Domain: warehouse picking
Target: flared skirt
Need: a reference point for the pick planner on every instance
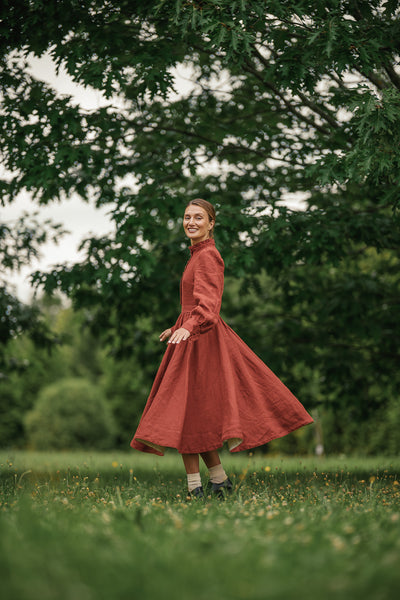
(211, 389)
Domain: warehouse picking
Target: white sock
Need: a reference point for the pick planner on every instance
(194, 481)
(217, 474)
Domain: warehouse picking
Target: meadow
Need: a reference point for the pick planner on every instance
(85, 526)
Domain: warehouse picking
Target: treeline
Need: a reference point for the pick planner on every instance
(290, 97)
(79, 394)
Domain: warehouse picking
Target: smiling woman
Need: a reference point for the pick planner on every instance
(199, 220)
(211, 387)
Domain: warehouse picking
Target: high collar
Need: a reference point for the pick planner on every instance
(199, 245)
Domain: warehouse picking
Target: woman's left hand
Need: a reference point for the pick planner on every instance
(179, 335)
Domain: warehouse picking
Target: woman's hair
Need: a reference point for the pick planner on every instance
(208, 207)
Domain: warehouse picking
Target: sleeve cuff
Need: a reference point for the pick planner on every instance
(191, 326)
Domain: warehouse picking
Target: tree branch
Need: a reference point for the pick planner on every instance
(311, 104)
(229, 146)
(286, 102)
(377, 81)
(337, 79)
(394, 77)
(277, 92)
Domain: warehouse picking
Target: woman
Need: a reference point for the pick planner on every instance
(210, 386)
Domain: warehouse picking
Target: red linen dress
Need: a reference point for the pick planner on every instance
(212, 387)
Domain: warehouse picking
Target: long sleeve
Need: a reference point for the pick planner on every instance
(207, 293)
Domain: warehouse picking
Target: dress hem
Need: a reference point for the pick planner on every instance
(239, 443)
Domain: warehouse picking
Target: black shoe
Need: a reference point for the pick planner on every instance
(197, 493)
(222, 489)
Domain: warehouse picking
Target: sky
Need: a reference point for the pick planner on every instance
(80, 218)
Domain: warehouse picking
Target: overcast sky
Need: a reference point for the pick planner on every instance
(78, 217)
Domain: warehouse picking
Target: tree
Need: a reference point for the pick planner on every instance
(286, 97)
(71, 413)
(20, 241)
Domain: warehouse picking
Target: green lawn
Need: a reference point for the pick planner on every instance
(83, 526)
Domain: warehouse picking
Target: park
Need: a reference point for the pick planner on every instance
(112, 525)
(285, 116)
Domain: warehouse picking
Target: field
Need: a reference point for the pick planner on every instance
(77, 526)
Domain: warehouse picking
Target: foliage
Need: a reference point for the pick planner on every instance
(384, 432)
(350, 377)
(127, 385)
(71, 413)
(20, 241)
(32, 366)
(362, 429)
(71, 522)
(296, 96)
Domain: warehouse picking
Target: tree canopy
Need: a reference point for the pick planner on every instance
(286, 98)
(20, 241)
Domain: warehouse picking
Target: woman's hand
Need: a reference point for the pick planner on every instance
(179, 335)
(165, 334)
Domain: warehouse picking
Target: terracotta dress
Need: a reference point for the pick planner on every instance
(212, 388)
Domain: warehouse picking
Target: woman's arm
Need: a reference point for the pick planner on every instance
(165, 334)
(207, 293)
(179, 335)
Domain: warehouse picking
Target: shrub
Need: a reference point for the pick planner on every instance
(384, 434)
(11, 416)
(71, 413)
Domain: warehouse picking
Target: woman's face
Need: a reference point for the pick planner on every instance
(196, 223)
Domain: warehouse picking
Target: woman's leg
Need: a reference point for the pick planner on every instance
(191, 462)
(211, 458)
(218, 477)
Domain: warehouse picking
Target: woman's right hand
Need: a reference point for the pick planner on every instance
(165, 334)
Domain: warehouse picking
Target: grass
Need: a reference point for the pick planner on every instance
(76, 526)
